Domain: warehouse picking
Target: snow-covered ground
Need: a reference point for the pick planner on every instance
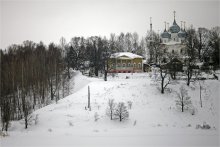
(153, 119)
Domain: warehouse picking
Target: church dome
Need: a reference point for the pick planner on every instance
(165, 34)
(182, 34)
(174, 28)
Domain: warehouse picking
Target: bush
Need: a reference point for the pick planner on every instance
(183, 102)
(121, 111)
(111, 108)
(204, 126)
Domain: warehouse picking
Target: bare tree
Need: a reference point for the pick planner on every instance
(121, 111)
(190, 58)
(5, 113)
(164, 79)
(154, 47)
(214, 44)
(111, 108)
(183, 100)
(203, 44)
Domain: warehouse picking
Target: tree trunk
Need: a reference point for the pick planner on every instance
(68, 71)
(105, 78)
(182, 103)
(188, 78)
(26, 122)
(51, 90)
(182, 106)
(96, 71)
(162, 82)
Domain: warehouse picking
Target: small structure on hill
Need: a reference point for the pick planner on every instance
(125, 62)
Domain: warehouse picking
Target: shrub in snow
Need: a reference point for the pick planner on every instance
(204, 126)
(129, 104)
(111, 108)
(183, 102)
(121, 111)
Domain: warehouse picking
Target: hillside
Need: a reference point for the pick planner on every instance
(153, 119)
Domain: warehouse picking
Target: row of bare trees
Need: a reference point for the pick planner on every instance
(32, 75)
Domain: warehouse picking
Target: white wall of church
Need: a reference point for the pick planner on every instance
(175, 48)
(174, 37)
(165, 40)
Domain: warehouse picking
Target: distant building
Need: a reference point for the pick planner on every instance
(125, 62)
(174, 37)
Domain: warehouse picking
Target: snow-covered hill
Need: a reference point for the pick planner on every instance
(153, 120)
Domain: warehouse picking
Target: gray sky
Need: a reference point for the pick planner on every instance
(48, 20)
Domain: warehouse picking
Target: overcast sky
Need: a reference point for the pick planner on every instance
(48, 20)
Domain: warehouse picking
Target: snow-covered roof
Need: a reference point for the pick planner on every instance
(126, 54)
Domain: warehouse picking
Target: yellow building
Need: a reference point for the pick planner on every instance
(125, 62)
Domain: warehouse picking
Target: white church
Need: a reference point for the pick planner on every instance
(173, 37)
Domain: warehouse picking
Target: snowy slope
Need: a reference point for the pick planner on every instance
(154, 119)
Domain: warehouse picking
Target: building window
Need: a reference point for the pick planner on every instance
(139, 65)
(123, 64)
(129, 64)
(134, 65)
(181, 51)
(174, 39)
(173, 51)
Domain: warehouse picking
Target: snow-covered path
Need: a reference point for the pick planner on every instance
(153, 121)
